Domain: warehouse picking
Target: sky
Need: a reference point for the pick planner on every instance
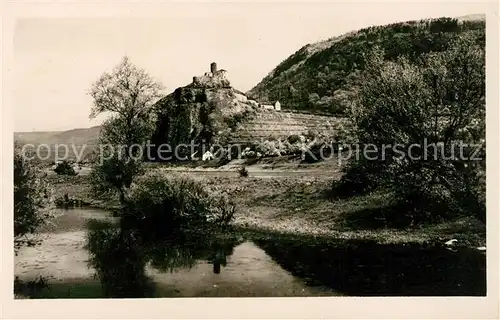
(58, 59)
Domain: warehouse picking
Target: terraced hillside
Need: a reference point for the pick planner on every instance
(267, 124)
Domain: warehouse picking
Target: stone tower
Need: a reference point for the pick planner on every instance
(213, 67)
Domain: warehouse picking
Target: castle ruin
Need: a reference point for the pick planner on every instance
(213, 79)
(218, 79)
(209, 111)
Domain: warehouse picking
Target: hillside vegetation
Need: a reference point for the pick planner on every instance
(319, 76)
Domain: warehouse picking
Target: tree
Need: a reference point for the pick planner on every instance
(65, 168)
(31, 199)
(128, 94)
(437, 105)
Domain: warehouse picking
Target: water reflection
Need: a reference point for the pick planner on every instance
(359, 268)
(237, 264)
(354, 268)
(120, 256)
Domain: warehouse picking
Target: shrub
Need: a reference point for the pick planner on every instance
(269, 148)
(127, 94)
(167, 205)
(436, 104)
(294, 138)
(26, 289)
(113, 176)
(243, 172)
(31, 199)
(249, 153)
(65, 168)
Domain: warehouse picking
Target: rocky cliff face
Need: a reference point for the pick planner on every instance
(209, 111)
(202, 112)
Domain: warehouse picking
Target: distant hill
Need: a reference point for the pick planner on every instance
(86, 138)
(316, 77)
(75, 136)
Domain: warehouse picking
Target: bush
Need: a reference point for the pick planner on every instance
(113, 176)
(65, 168)
(243, 172)
(27, 289)
(436, 105)
(171, 205)
(294, 138)
(31, 199)
(269, 148)
(292, 145)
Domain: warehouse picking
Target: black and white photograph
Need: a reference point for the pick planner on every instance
(242, 150)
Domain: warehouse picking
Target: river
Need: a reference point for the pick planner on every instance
(248, 264)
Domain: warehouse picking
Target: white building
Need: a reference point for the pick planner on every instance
(207, 156)
(277, 105)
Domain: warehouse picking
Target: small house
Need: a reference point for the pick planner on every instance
(207, 156)
(277, 105)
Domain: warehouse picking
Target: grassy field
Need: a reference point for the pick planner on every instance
(302, 205)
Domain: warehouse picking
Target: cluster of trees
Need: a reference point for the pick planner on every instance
(154, 207)
(128, 95)
(320, 81)
(32, 197)
(304, 144)
(162, 206)
(436, 103)
(65, 168)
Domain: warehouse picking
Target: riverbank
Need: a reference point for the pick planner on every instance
(301, 205)
(251, 263)
(258, 264)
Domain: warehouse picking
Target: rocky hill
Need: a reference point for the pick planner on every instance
(204, 112)
(317, 76)
(210, 113)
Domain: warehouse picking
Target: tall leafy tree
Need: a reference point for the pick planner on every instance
(127, 94)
